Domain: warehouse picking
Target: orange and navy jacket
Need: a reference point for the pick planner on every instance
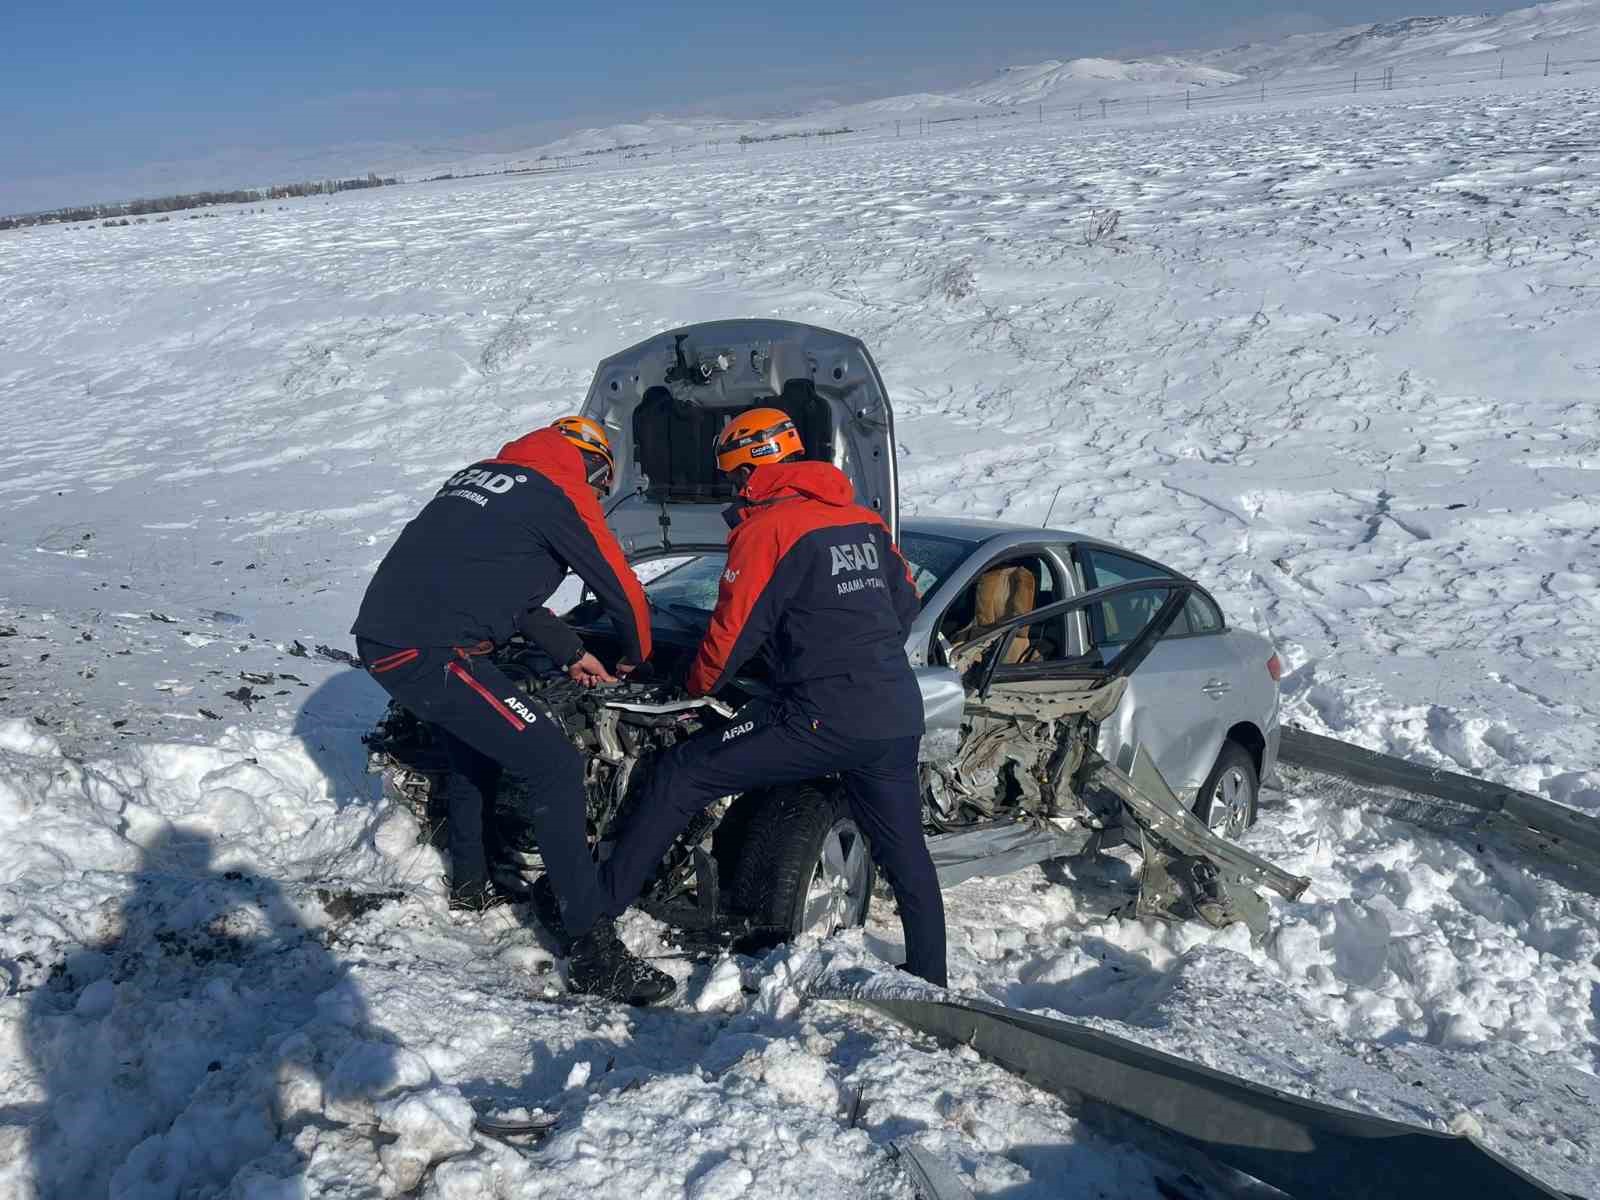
(815, 584)
(481, 558)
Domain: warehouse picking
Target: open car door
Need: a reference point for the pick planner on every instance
(1043, 713)
(1049, 688)
(664, 401)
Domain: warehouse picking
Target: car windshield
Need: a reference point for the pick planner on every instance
(692, 586)
(932, 558)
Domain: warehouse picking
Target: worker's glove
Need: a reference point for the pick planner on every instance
(589, 671)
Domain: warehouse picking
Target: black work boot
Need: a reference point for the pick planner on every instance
(548, 909)
(601, 965)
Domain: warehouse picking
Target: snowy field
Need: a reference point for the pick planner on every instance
(1341, 364)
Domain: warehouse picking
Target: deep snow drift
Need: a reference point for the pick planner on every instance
(1337, 364)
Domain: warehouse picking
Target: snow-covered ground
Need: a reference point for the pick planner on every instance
(1340, 364)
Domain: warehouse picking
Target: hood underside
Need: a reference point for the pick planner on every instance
(664, 401)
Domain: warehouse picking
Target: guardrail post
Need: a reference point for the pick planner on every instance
(1547, 64)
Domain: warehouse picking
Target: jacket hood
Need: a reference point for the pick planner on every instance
(546, 451)
(812, 480)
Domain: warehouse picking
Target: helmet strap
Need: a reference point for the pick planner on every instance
(598, 471)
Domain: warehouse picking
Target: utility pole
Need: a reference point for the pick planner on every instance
(1080, 110)
(897, 129)
(1502, 68)
(1547, 64)
(1041, 114)
(1102, 110)
(1263, 91)
(1355, 82)
(1186, 104)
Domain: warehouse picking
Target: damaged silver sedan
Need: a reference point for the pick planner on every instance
(1065, 680)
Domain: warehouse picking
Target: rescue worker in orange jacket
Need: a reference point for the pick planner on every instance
(815, 584)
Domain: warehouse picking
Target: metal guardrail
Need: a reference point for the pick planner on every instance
(1560, 832)
(1303, 1147)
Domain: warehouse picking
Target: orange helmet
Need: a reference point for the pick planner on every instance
(589, 437)
(756, 438)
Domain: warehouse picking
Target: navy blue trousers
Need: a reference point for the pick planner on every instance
(880, 784)
(472, 700)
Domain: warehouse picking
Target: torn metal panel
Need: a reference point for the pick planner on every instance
(1000, 848)
(1159, 813)
(1302, 1146)
(1054, 699)
(944, 703)
(932, 1179)
(1180, 887)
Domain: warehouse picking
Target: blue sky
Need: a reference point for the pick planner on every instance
(101, 89)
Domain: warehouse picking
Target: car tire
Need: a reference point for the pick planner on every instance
(804, 866)
(1227, 798)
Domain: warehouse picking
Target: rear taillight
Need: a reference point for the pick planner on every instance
(1275, 668)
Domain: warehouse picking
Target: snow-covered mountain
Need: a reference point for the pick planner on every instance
(1084, 78)
(1436, 46)
(1568, 29)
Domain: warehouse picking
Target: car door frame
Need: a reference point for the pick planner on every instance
(1187, 774)
(988, 667)
(924, 636)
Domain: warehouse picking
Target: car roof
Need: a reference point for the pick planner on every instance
(979, 531)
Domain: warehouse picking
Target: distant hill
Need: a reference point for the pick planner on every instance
(1091, 78)
(1435, 46)
(1570, 29)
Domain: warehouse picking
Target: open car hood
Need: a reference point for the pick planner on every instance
(664, 401)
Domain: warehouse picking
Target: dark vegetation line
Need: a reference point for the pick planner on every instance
(167, 204)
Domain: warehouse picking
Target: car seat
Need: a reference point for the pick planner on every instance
(1002, 593)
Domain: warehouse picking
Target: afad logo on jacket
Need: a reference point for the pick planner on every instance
(852, 560)
(496, 483)
(862, 557)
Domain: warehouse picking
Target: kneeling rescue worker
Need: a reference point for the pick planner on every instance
(473, 567)
(814, 579)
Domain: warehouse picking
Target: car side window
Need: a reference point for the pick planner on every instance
(1118, 621)
(1202, 615)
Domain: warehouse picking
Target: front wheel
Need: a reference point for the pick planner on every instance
(804, 865)
(1227, 799)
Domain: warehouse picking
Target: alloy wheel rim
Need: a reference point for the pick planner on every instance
(839, 881)
(1230, 804)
